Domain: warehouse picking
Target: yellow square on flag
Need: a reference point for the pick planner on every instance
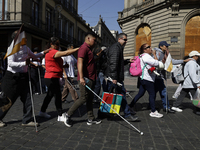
(115, 107)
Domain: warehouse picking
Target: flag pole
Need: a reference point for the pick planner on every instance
(39, 76)
(166, 92)
(31, 93)
(13, 42)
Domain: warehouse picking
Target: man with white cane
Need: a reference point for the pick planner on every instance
(162, 53)
(115, 71)
(86, 68)
(15, 82)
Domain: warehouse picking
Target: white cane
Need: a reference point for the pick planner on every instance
(141, 133)
(166, 92)
(71, 85)
(31, 94)
(40, 79)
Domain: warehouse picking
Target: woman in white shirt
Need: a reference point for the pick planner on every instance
(146, 81)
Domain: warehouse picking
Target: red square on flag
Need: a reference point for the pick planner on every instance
(108, 98)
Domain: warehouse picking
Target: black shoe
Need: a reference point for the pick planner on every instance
(93, 121)
(132, 118)
(68, 121)
(132, 110)
(169, 110)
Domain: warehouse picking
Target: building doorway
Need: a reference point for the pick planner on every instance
(143, 35)
(192, 34)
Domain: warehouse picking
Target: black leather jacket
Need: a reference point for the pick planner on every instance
(115, 60)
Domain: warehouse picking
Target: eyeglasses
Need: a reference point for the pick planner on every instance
(125, 40)
(147, 47)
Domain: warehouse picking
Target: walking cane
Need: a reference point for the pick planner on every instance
(166, 93)
(29, 77)
(165, 81)
(71, 85)
(141, 133)
(39, 76)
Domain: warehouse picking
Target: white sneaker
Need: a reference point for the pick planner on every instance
(30, 124)
(62, 118)
(2, 124)
(44, 114)
(177, 109)
(156, 114)
(174, 97)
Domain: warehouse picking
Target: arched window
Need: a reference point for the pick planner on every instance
(192, 34)
(143, 35)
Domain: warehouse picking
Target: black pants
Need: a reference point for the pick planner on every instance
(85, 96)
(15, 85)
(35, 80)
(182, 95)
(53, 91)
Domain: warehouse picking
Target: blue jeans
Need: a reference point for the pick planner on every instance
(160, 86)
(100, 82)
(144, 86)
(121, 90)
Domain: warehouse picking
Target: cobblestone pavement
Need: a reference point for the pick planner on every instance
(179, 131)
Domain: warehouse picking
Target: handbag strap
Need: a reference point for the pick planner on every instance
(145, 65)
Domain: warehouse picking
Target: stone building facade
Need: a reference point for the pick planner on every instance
(108, 37)
(42, 19)
(152, 21)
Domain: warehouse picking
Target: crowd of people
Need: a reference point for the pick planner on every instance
(94, 65)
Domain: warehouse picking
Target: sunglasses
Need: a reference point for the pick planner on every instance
(125, 40)
(147, 47)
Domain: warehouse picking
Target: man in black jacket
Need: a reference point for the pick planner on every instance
(101, 64)
(115, 70)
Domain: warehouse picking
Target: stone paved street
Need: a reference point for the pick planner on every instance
(179, 131)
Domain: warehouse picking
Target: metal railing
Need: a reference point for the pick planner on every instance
(5, 16)
(67, 5)
(19, 16)
(11, 16)
(65, 36)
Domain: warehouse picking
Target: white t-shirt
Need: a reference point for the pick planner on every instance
(151, 62)
(17, 61)
(71, 61)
